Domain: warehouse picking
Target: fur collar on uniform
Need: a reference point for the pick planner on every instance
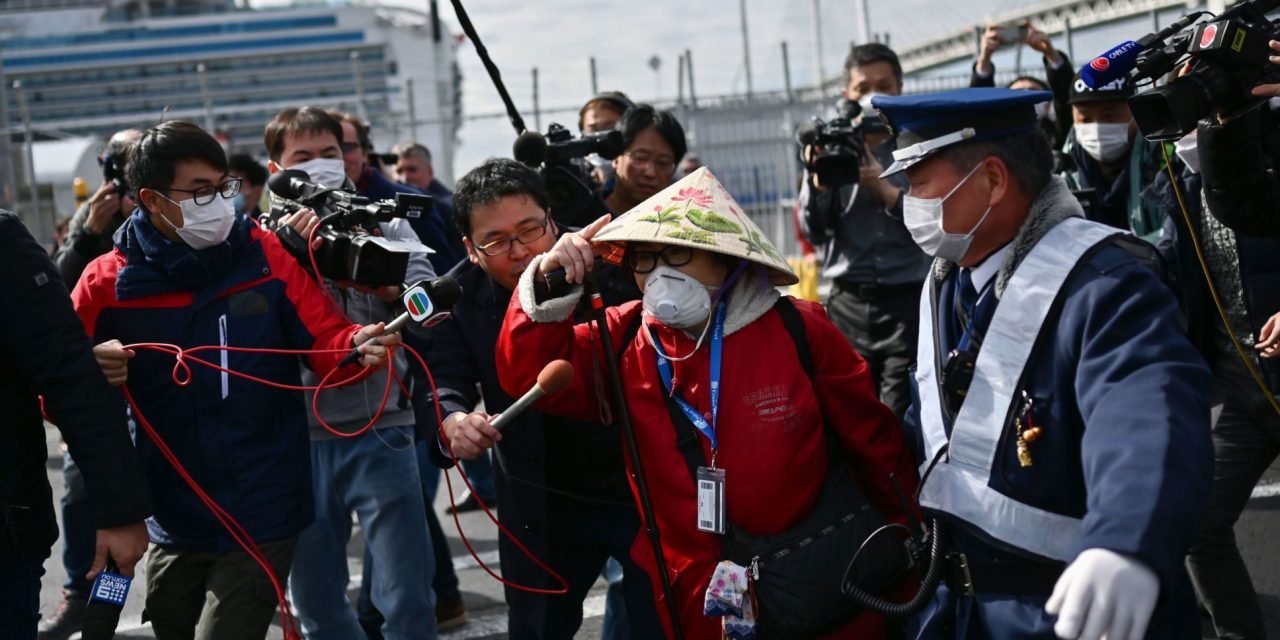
(1054, 204)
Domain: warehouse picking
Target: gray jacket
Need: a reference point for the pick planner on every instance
(862, 240)
(82, 245)
(349, 408)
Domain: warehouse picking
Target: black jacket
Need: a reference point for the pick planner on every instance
(44, 351)
(588, 465)
(1259, 264)
(1238, 164)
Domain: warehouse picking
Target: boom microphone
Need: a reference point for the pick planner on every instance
(551, 380)
(530, 148)
(423, 302)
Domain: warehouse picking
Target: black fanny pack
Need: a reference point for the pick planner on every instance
(799, 575)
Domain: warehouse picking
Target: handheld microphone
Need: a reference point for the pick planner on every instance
(106, 602)
(423, 302)
(551, 380)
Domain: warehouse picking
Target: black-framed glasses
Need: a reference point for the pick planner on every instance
(642, 262)
(348, 147)
(526, 236)
(229, 189)
(660, 164)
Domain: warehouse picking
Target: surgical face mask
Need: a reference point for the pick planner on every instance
(327, 172)
(1187, 151)
(1104, 141)
(205, 225)
(923, 218)
(675, 298)
(238, 204)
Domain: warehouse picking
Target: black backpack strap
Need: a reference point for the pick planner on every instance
(687, 438)
(795, 327)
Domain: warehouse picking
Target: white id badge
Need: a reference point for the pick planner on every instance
(711, 500)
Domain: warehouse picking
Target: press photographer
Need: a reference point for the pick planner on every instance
(89, 235)
(1220, 206)
(875, 268)
(376, 475)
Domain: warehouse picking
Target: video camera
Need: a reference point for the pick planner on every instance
(113, 172)
(557, 155)
(1228, 55)
(839, 143)
(348, 251)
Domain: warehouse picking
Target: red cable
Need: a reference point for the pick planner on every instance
(182, 377)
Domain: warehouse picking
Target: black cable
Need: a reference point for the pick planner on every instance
(633, 454)
(927, 586)
(494, 74)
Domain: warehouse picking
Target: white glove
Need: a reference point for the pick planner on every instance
(1104, 595)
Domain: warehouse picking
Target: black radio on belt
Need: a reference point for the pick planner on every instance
(957, 375)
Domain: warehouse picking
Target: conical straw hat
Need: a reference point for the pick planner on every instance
(698, 212)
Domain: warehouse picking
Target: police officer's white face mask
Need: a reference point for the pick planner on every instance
(1105, 142)
(327, 172)
(923, 218)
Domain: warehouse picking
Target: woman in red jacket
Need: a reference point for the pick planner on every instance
(707, 274)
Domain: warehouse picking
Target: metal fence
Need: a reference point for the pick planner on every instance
(750, 146)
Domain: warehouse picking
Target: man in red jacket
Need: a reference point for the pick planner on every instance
(187, 270)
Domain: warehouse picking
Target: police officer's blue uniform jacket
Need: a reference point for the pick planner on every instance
(1123, 458)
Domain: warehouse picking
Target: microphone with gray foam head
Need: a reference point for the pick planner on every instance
(551, 380)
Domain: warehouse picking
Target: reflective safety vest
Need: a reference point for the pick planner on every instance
(960, 484)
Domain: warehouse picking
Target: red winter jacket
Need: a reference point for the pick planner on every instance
(770, 429)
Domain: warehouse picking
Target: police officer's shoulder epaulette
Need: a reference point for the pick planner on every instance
(1132, 248)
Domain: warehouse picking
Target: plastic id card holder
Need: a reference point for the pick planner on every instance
(711, 500)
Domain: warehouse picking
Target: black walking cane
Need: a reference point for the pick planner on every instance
(623, 415)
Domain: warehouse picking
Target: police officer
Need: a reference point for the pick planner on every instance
(1060, 411)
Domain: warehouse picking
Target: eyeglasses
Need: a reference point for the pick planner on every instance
(348, 147)
(229, 189)
(499, 247)
(662, 164)
(643, 262)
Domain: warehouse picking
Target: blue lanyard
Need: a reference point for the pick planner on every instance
(664, 370)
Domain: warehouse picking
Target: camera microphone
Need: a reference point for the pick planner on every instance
(530, 148)
(1123, 58)
(423, 302)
